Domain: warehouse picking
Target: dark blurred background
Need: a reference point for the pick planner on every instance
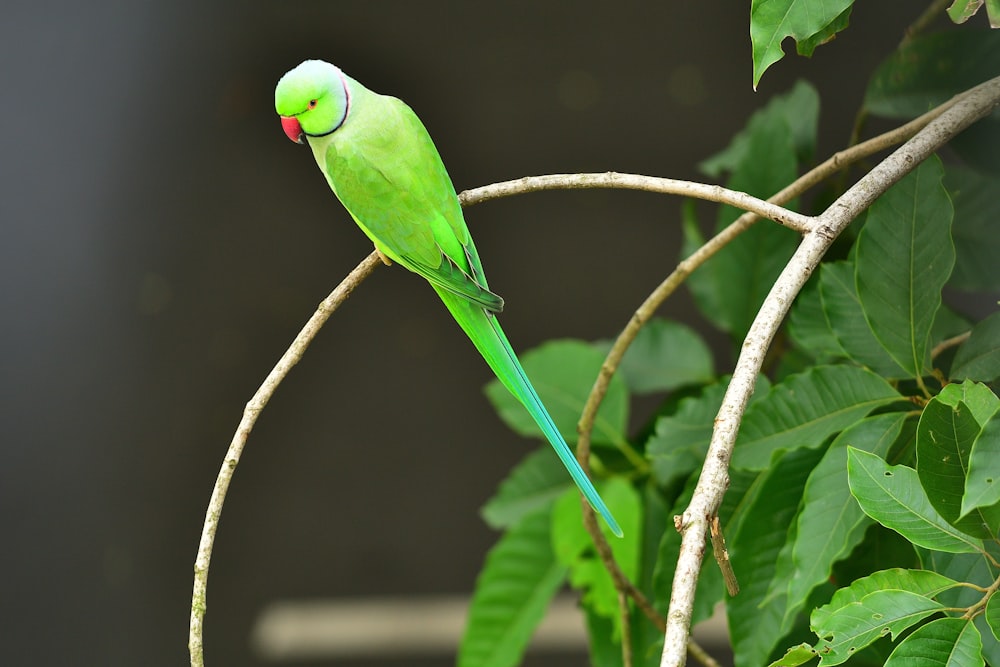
(163, 242)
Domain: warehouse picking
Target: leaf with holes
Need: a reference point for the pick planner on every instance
(892, 495)
(772, 21)
(855, 626)
(948, 428)
(982, 486)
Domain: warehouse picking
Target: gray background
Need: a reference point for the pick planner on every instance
(163, 242)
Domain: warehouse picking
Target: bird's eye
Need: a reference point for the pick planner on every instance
(312, 104)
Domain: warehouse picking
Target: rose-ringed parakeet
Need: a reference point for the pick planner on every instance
(384, 168)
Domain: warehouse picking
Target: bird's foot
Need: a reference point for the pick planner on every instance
(385, 260)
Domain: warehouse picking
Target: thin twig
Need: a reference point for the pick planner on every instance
(714, 478)
(612, 361)
(668, 186)
(932, 12)
(626, 630)
(949, 343)
(291, 357)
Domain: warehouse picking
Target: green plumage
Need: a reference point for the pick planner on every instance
(381, 163)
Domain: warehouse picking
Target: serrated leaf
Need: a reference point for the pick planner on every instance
(805, 409)
(771, 21)
(944, 642)
(892, 495)
(977, 244)
(754, 547)
(665, 355)
(918, 582)
(514, 588)
(982, 486)
(831, 523)
(979, 357)
(533, 484)
(904, 257)
(799, 108)
(795, 656)
(842, 309)
(730, 287)
(680, 440)
(946, 432)
(563, 374)
(854, 626)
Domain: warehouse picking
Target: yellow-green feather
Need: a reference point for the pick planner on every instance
(384, 168)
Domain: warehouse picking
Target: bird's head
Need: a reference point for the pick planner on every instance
(312, 100)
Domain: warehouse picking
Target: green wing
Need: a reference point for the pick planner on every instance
(391, 179)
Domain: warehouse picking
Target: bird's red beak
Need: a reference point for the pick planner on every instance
(290, 124)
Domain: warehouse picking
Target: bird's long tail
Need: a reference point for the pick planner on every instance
(485, 332)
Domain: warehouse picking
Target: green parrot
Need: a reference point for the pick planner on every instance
(382, 165)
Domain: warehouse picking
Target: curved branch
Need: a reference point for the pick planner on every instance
(250, 414)
(714, 478)
(615, 180)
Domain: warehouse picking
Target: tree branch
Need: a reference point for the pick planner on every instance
(714, 478)
(253, 409)
(615, 180)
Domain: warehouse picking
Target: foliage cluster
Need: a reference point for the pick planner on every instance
(863, 512)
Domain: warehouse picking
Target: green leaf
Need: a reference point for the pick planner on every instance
(892, 495)
(904, 258)
(680, 440)
(918, 582)
(982, 486)
(563, 374)
(799, 108)
(842, 310)
(795, 656)
(730, 287)
(533, 484)
(993, 615)
(856, 625)
(514, 588)
(945, 642)
(979, 357)
(929, 70)
(808, 326)
(754, 547)
(831, 523)
(977, 244)
(961, 11)
(665, 355)
(573, 547)
(947, 429)
(827, 34)
(805, 409)
(771, 21)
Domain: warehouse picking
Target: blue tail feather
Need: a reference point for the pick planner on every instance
(502, 358)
